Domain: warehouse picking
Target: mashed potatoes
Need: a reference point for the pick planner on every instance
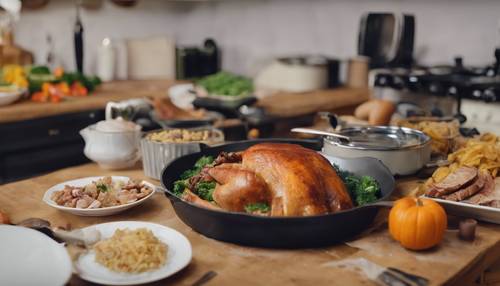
(131, 251)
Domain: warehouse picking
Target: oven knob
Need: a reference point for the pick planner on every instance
(435, 88)
(413, 83)
(398, 82)
(382, 80)
(477, 94)
(452, 90)
(489, 95)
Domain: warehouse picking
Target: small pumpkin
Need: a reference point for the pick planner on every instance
(417, 223)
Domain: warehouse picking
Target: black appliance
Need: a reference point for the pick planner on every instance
(455, 82)
(387, 39)
(195, 62)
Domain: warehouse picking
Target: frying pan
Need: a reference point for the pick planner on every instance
(278, 232)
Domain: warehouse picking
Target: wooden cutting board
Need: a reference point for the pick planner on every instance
(297, 104)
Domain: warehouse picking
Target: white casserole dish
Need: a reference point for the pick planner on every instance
(156, 155)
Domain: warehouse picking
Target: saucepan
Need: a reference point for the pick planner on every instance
(403, 150)
(279, 232)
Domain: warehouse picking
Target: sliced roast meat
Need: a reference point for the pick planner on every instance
(453, 182)
(493, 203)
(469, 190)
(487, 193)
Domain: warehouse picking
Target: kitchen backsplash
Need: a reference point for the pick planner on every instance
(253, 31)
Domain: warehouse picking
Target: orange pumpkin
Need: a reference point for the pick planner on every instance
(417, 223)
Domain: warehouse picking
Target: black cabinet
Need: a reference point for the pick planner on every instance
(37, 146)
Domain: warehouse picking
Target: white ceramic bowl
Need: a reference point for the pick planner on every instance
(92, 212)
(9, 97)
(179, 255)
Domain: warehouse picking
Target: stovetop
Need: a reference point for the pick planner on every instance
(457, 81)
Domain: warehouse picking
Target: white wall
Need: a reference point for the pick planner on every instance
(252, 30)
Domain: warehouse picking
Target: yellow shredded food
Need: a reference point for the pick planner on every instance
(131, 251)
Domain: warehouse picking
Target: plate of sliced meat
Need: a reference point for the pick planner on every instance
(469, 192)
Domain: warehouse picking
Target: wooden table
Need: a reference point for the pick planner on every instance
(453, 262)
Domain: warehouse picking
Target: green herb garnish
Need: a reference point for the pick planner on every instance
(362, 189)
(182, 184)
(102, 187)
(257, 207)
(179, 187)
(205, 190)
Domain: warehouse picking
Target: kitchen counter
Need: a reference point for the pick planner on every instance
(453, 262)
(113, 91)
(281, 104)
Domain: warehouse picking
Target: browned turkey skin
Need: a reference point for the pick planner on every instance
(292, 180)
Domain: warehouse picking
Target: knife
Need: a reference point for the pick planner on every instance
(381, 275)
(78, 36)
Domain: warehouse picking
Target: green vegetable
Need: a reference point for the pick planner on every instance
(367, 191)
(181, 185)
(363, 189)
(203, 161)
(102, 188)
(223, 83)
(37, 80)
(257, 207)
(90, 82)
(39, 70)
(205, 190)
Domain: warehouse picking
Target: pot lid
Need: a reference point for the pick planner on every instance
(381, 138)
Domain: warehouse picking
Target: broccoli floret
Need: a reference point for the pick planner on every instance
(203, 161)
(179, 187)
(188, 174)
(257, 207)
(368, 190)
(205, 190)
(363, 190)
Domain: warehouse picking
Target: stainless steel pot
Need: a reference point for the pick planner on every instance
(403, 150)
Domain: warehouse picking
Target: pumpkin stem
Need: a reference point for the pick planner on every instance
(419, 203)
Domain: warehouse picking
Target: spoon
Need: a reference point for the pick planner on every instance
(342, 138)
(77, 236)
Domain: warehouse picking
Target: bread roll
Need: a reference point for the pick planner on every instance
(376, 111)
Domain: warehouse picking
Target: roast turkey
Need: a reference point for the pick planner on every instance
(292, 180)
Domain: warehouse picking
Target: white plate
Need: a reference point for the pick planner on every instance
(8, 97)
(92, 212)
(179, 255)
(29, 257)
(483, 213)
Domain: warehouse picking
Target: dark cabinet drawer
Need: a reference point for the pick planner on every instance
(37, 146)
(31, 162)
(45, 131)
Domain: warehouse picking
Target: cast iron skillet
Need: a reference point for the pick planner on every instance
(277, 232)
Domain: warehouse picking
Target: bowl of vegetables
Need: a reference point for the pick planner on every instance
(224, 86)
